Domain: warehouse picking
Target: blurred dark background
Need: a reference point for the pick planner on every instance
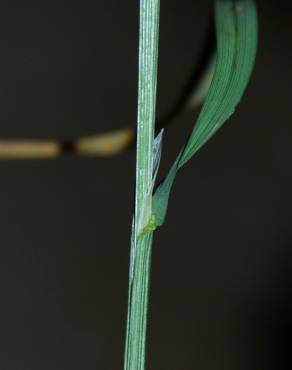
(222, 280)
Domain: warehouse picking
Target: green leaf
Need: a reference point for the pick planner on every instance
(236, 30)
(200, 91)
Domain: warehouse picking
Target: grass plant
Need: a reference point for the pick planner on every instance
(236, 35)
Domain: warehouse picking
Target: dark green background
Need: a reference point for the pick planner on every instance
(222, 281)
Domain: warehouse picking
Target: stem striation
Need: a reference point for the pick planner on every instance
(142, 233)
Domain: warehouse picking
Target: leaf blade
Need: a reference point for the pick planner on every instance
(236, 28)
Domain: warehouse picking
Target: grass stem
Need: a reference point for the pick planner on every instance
(142, 233)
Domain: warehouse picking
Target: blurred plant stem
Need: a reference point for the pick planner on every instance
(117, 141)
(103, 145)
